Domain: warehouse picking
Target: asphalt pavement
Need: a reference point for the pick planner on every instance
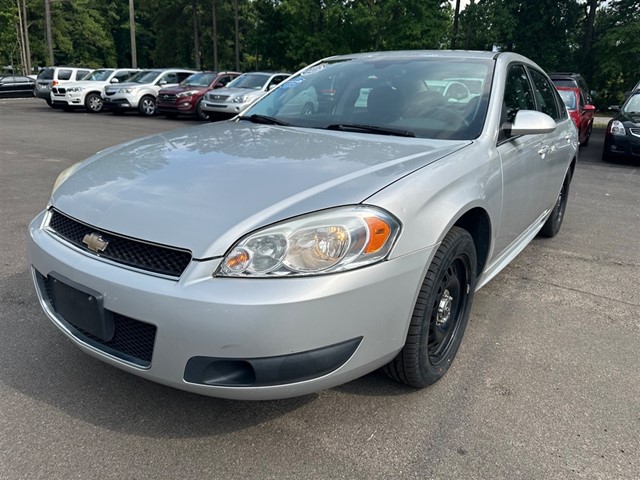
(546, 384)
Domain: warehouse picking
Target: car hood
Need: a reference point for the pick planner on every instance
(235, 92)
(116, 86)
(176, 90)
(629, 117)
(87, 83)
(203, 188)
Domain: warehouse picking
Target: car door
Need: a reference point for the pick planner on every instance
(556, 144)
(523, 166)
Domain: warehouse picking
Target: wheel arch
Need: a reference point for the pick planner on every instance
(477, 222)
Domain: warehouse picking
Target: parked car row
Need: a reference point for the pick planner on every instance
(170, 92)
(578, 100)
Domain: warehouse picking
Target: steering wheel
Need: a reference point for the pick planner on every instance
(456, 91)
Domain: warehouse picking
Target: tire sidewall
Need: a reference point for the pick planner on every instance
(141, 106)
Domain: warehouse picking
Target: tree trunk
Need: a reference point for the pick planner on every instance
(48, 34)
(215, 35)
(588, 30)
(25, 34)
(456, 19)
(196, 35)
(469, 18)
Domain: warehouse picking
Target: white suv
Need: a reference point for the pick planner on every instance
(87, 93)
(53, 76)
(141, 91)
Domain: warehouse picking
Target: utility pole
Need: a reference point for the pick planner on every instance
(196, 35)
(47, 27)
(215, 35)
(235, 4)
(132, 31)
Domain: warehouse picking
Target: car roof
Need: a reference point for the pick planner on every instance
(420, 54)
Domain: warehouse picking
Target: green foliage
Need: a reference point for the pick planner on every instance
(289, 34)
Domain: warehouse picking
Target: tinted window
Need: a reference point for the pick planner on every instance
(81, 74)
(180, 76)
(169, 78)
(64, 74)
(545, 95)
(518, 94)
(46, 74)
(123, 76)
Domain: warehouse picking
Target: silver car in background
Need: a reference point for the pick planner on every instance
(240, 92)
(286, 251)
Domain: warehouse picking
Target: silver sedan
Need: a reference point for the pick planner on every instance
(287, 251)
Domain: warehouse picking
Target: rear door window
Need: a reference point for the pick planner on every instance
(64, 74)
(545, 99)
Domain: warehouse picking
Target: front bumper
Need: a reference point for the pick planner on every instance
(220, 107)
(71, 99)
(120, 102)
(209, 330)
(622, 146)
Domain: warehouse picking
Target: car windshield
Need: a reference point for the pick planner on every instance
(253, 81)
(147, 76)
(569, 98)
(632, 105)
(98, 75)
(426, 97)
(199, 80)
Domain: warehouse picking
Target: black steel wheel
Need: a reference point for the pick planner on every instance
(440, 315)
(552, 226)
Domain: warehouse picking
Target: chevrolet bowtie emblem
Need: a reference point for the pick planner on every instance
(94, 242)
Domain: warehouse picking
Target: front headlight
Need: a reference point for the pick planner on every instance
(190, 93)
(239, 99)
(66, 173)
(127, 90)
(323, 242)
(617, 128)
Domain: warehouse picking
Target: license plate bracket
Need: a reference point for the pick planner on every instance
(82, 308)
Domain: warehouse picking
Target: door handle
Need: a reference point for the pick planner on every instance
(543, 150)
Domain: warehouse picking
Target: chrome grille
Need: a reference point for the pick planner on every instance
(167, 97)
(217, 98)
(131, 252)
(635, 131)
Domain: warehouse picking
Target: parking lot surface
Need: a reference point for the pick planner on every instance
(546, 383)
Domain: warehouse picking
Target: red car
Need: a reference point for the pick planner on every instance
(185, 99)
(581, 112)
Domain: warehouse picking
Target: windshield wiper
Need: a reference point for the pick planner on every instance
(264, 119)
(357, 127)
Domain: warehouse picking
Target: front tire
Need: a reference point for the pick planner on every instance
(147, 106)
(440, 314)
(93, 103)
(552, 226)
(201, 114)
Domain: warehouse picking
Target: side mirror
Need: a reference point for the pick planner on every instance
(162, 82)
(114, 80)
(590, 108)
(530, 122)
(218, 85)
(614, 108)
